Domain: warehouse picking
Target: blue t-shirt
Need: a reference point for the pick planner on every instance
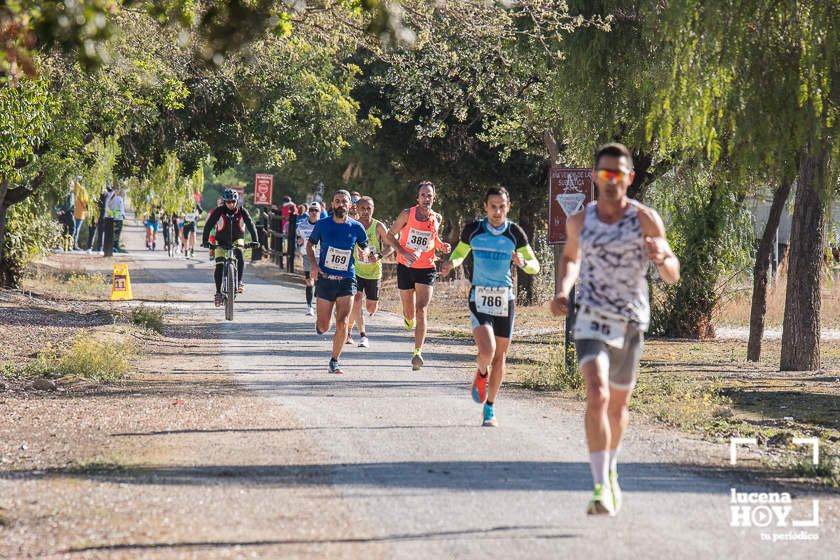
(492, 250)
(338, 245)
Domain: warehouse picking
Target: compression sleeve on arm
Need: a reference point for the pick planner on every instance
(459, 254)
(532, 265)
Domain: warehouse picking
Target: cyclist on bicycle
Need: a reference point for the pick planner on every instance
(230, 221)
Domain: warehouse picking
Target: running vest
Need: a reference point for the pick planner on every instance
(371, 271)
(420, 236)
(613, 265)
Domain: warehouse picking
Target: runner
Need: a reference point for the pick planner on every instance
(417, 228)
(353, 212)
(188, 231)
(335, 271)
(305, 226)
(611, 244)
(495, 242)
(151, 227)
(368, 275)
(229, 222)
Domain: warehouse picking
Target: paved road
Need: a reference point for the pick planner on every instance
(414, 474)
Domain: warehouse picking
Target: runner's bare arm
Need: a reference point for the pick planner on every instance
(313, 262)
(440, 245)
(569, 264)
(382, 235)
(400, 222)
(656, 245)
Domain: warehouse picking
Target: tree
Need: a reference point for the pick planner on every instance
(763, 86)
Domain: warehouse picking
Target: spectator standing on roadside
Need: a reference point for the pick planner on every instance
(116, 210)
(103, 217)
(80, 207)
(64, 211)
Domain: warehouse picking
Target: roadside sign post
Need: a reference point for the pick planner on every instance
(263, 185)
(569, 191)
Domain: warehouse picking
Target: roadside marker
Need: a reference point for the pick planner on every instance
(121, 284)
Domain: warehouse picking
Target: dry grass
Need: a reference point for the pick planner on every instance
(68, 284)
(98, 355)
(735, 311)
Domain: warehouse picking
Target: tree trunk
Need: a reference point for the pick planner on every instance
(760, 270)
(526, 294)
(801, 328)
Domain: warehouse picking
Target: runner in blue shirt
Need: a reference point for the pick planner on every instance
(341, 239)
(495, 242)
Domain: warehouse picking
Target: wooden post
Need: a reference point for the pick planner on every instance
(568, 342)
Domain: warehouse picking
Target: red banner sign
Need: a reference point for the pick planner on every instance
(262, 189)
(569, 191)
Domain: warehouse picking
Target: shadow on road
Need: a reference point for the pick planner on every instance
(456, 476)
(503, 532)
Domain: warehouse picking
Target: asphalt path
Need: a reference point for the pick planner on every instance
(416, 475)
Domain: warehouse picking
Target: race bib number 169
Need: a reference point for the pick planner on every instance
(338, 259)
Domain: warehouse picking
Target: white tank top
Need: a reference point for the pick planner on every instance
(613, 266)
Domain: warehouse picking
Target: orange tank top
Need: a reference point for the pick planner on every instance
(420, 236)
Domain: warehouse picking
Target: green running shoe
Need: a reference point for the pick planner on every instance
(600, 504)
(616, 490)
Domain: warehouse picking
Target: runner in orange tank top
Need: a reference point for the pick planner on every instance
(417, 228)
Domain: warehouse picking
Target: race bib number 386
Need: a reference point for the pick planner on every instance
(593, 324)
(492, 300)
(419, 240)
(338, 259)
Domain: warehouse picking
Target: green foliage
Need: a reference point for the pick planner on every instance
(148, 317)
(555, 374)
(31, 231)
(711, 233)
(102, 358)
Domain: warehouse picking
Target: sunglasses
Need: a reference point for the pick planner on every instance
(313, 210)
(611, 175)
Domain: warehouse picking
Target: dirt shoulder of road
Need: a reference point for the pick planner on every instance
(87, 466)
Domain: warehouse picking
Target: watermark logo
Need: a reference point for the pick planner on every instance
(773, 509)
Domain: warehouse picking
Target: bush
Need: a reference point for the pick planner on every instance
(88, 357)
(148, 317)
(554, 375)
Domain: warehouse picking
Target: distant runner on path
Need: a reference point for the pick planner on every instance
(417, 228)
(340, 239)
(610, 244)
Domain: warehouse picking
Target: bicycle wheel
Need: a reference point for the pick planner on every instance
(230, 289)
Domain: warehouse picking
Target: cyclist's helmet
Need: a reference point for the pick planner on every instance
(230, 195)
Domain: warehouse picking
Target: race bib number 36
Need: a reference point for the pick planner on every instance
(492, 300)
(592, 324)
(338, 259)
(419, 240)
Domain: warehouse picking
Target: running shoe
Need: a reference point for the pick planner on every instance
(479, 388)
(334, 367)
(489, 417)
(600, 504)
(349, 340)
(416, 360)
(240, 288)
(616, 490)
(310, 311)
(408, 324)
(363, 342)
(217, 300)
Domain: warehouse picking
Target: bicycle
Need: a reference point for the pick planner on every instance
(229, 280)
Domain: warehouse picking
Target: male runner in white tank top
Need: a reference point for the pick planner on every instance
(611, 245)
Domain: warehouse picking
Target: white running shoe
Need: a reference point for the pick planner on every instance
(363, 342)
(310, 312)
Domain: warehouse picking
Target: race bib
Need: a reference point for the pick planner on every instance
(338, 259)
(419, 240)
(492, 300)
(190, 217)
(607, 327)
